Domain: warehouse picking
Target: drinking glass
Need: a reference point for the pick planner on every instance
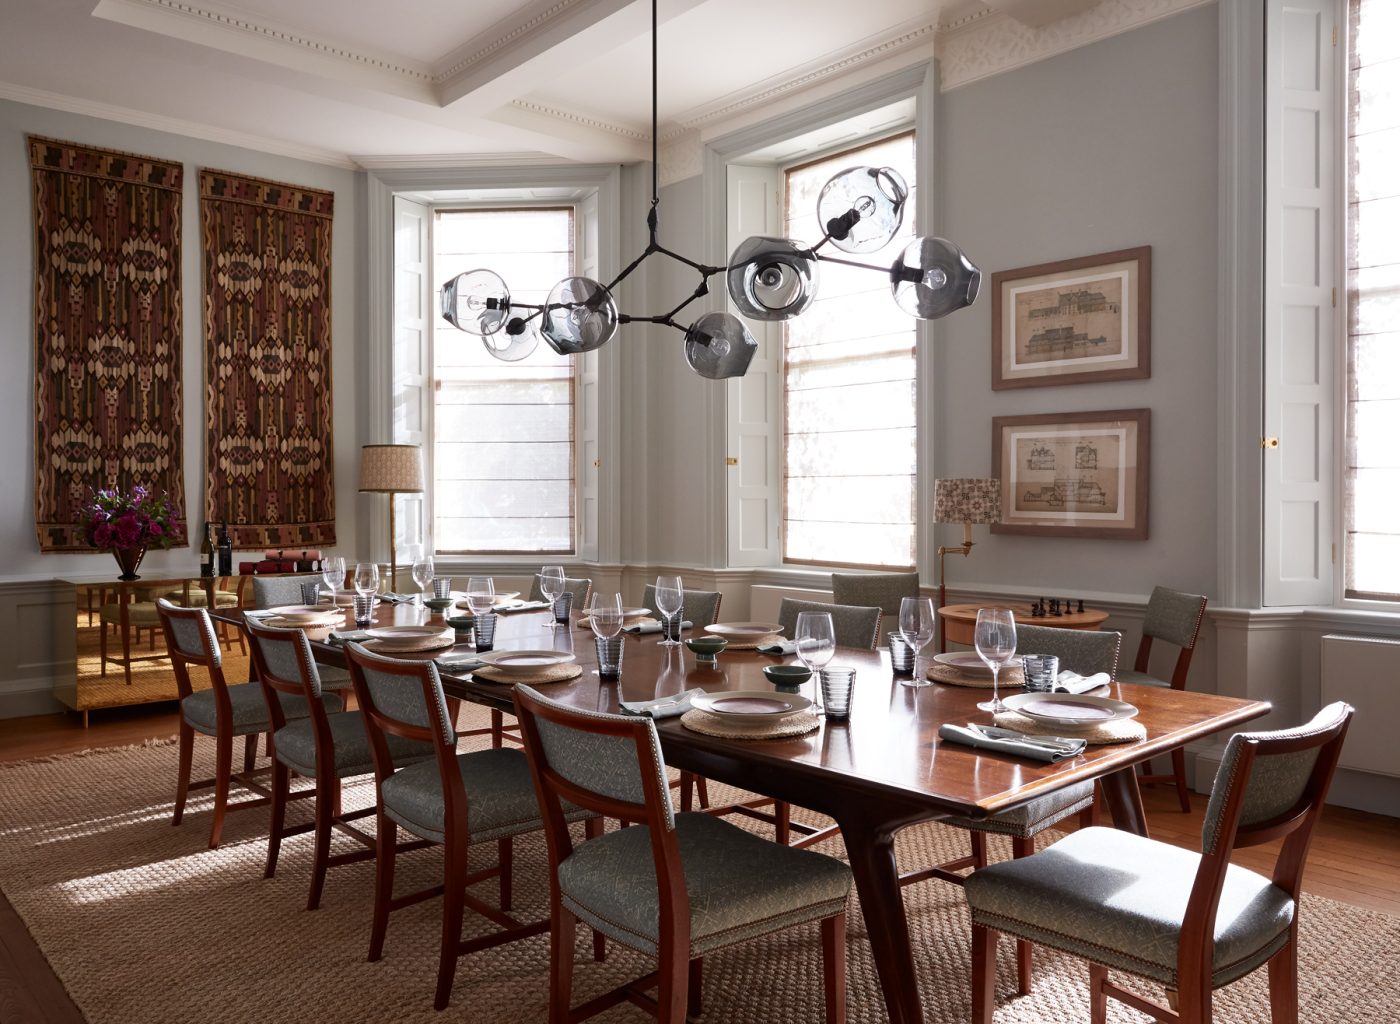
(551, 586)
(916, 621)
(366, 577)
(995, 639)
(816, 643)
(670, 596)
(481, 594)
(423, 575)
(333, 574)
(605, 615)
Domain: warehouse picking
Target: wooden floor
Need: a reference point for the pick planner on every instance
(1355, 856)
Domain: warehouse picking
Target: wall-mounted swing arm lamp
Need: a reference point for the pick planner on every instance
(768, 278)
(965, 501)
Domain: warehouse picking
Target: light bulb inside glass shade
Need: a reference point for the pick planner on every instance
(513, 344)
(718, 345)
(477, 302)
(932, 278)
(772, 278)
(862, 207)
(580, 316)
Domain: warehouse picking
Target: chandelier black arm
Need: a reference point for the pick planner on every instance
(851, 263)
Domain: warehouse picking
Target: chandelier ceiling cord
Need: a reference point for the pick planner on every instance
(771, 279)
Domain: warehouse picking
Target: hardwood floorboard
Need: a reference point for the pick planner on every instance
(30, 992)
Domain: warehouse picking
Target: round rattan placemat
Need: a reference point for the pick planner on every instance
(1124, 730)
(1011, 677)
(447, 638)
(715, 725)
(751, 645)
(553, 674)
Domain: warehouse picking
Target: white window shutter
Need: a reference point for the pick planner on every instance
(586, 259)
(412, 367)
(754, 401)
(1301, 321)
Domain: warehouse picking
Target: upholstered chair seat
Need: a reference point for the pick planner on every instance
(295, 744)
(197, 598)
(855, 626)
(1030, 819)
(200, 710)
(700, 607)
(141, 614)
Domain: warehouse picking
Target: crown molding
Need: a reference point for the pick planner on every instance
(474, 51)
(986, 43)
(173, 125)
(447, 161)
(584, 120)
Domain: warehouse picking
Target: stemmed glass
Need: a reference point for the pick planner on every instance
(551, 588)
(366, 578)
(605, 615)
(816, 643)
(481, 594)
(423, 575)
(995, 640)
(333, 574)
(916, 626)
(670, 596)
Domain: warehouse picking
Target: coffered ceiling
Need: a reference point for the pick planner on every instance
(364, 82)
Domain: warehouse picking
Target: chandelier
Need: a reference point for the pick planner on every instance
(771, 279)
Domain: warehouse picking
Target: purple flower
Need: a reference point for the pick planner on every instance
(102, 535)
(128, 530)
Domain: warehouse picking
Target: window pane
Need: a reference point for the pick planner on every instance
(503, 433)
(849, 393)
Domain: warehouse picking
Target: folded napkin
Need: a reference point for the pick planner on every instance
(258, 613)
(521, 606)
(661, 707)
(781, 648)
(459, 662)
(651, 626)
(345, 636)
(393, 598)
(1073, 682)
(1037, 748)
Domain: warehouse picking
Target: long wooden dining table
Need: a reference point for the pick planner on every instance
(881, 770)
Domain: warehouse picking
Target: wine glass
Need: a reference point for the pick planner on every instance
(916, 625)
(816, 643)
(670, 596)
(481, 594)
(333, 574)
(551, 587)
(995, 640)
(605, 615)
(423, 575)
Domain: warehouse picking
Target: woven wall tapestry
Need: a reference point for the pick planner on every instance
(107, 331)
(267, 362)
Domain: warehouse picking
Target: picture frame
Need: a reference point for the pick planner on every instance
(1074, 321)
(1073, 474)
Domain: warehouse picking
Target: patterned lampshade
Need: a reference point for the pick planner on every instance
(391, 467)
(966, 501)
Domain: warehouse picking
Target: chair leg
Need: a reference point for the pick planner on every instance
(834, 967)
(223, 771)
(454, 887)
(1023, 846)
(592, 829)
(561, 962)
(782, 822)
(505, 857)
(703, 789)
(102, 648)
(281, 782)
(327, 808)
(672, 985)
(1283, 984)
(1098, 998)
(250, 751)
(182, 784)
(687, 792)
(984, 974)
(1183, 795)
(695, 986)
(386, 849)
(979, 849)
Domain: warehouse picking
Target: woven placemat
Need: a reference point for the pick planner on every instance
(750, 645)
(715, 725)
(1011, 677)
(553, 674)
(447, 638)
(1124, 730)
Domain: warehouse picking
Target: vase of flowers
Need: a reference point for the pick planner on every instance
(128, 523)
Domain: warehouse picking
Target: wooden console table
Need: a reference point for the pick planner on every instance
(960, 621)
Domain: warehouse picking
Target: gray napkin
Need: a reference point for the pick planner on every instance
(397, 598)
(661, 707)
(781, 648)
(342, 636)
(1005, 741)
(456, 663)
(522, 606)
(1073, 682)
(257, 613)
(651, 627)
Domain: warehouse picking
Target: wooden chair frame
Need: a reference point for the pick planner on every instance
(1177, 776)
(679, 976)
(1196, 948)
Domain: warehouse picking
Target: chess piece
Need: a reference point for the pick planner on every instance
(1081, 606)
(1055, 606)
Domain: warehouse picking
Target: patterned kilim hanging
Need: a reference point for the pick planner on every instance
(267, 364)
(107, 331)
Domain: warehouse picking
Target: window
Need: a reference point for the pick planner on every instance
(503, 433)
(1372, 463)
(850, 423)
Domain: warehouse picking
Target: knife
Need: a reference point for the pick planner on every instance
(1056, 743)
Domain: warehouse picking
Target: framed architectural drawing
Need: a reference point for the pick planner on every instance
(1074, 474)
(1073, 322)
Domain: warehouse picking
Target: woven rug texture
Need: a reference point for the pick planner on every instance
(143, 923)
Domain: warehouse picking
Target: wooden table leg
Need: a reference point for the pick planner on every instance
(871, 852)
(1124, 798)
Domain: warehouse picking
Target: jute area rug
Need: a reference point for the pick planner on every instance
(144, 924)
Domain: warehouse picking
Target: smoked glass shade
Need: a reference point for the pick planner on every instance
(718, 345)
(772, 278)
(579, 316)
(516, 342)
(477, 302)
(862, 207)
(932, 278)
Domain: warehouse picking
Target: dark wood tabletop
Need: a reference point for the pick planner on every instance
(883, 769)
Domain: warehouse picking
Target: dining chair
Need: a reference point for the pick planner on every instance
(676, 886)
(277, 591)
(579, 588)
(454, 799)
(326, 746)
(140, 615)
(699, 607)
(1175, 618)
(885, 589)
(1191, 922)
(221, 711)
(855, 626)
(1079, 650)
(194, 596)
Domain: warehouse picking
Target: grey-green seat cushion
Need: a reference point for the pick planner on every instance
(1034, 817)
(333, 677)
(501, 798)
(1119, 899)
(1131, 676)
(249, 709)
(295, 744)
(740, 886)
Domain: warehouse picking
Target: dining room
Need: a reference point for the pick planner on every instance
(894, 484)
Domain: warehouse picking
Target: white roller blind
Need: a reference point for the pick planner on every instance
(503, 444)
(850, 431)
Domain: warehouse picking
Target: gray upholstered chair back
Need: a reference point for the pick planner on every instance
(275, 591)
(855, 626)
(1174, 617)
(404, 698)
(885, 589)
(1085, 651)
(1277, 783)
(602, 764)
(287, 655)
(579, 588)
(698, 606)
(191, 631)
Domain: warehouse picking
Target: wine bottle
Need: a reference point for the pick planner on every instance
(206, 552)
(225, 551)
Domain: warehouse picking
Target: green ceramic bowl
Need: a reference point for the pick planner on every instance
(707, 646)
(787, 675)
(438, 604)
(462, 623)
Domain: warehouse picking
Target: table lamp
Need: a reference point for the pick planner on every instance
(391, 469)
(965, 501)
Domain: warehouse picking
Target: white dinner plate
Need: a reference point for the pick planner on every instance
(1081, 709)
(524, 662)
(404, 632)
(499, 601)
(744, 630)
(966, 662)
(305, 614)
(750, 705)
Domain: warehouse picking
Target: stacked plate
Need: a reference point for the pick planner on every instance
(966, 662)
(746, 635)
(524, 663)
(1071, 710)
(750, 710)
(407, 639)
(304, 616)
(507, 599)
